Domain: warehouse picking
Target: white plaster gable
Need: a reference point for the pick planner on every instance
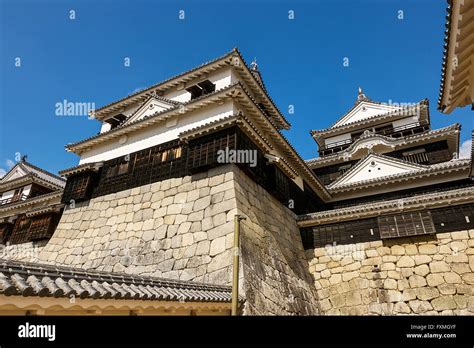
(151, 106)
(16, 172)
(363, 110)
(24, 168)
(374, 167)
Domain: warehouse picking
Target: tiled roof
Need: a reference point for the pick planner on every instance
(279, 117)
(29, 168)
(81, 167)
(365, 210)
(424, 171)
(156, 115)
(32, 279)
(401, 111)
(447, 34)
(408, 139)
(149, 89)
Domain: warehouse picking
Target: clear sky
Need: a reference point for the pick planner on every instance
(301, 60)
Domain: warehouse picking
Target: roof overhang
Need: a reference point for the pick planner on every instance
(362, 211)
(30, 178)
(94, 166)
(457, 76)
(232, 59)
(431, 175)
(420, 110)
(383, 144)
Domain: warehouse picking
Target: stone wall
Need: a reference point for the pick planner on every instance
(178, 228)
(183, 229)
(423, 275)
(276, 279)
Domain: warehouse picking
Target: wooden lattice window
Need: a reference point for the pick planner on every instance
(40, 227)
(5, 229)
(340, 234)
(406, 224)
(456, 218)
(79, 187)
(34, 228)
(20, 231)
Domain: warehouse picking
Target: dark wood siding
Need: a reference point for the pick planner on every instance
(35, 228)
(446, 219)
(406, 224)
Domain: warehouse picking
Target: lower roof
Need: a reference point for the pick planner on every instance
(33, 279)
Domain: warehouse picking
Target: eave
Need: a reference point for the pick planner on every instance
(94, 166)
(361, 211)
(30, 178)
(51, 198)
(232, 59)
(158, 117)
(423, 106)
(457, 75)
(294, 159)
(462, 166)
(450, 133)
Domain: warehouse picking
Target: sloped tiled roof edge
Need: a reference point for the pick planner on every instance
(444, 60)
(460, 164)
(411, 138)
(364, 210)
(34, 279)
(147, 91)
(395, 113)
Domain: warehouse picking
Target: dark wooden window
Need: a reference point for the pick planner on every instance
(201, 88)
(455, 218)
(341, 233)
(143, 167)
(79, 187)
(5, 230)
(20, 231)
(203, 152)
(406, 224)
(34, 228)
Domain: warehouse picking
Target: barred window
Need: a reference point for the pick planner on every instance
(406, 224)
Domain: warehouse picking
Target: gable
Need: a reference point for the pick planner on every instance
(375, 167)
(16, 172)
(150, 107)
(364, 110)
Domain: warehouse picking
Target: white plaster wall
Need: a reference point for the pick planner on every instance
(365, 110)
(221, 78)
(9, 194)
(337, 138)
(156, 134)
(405, 121)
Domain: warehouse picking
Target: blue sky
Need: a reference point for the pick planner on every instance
(301, 60)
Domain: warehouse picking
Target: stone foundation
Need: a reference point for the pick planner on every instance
(183, 229)
(276, 279)
(423, 275)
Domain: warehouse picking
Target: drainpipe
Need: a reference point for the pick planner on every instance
(235, 270)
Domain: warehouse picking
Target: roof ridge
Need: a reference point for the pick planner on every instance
(98, 110)
(361, 162)
(390, 113)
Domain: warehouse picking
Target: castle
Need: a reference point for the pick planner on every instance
(382, 222)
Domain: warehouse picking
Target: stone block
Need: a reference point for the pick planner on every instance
(443, 303)
(439, 267)
(428, 249)
(426, 293)
(420, 307)
(397, 250)
(434, 279)
(406, 261)
(417, 281)
(422, 270)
